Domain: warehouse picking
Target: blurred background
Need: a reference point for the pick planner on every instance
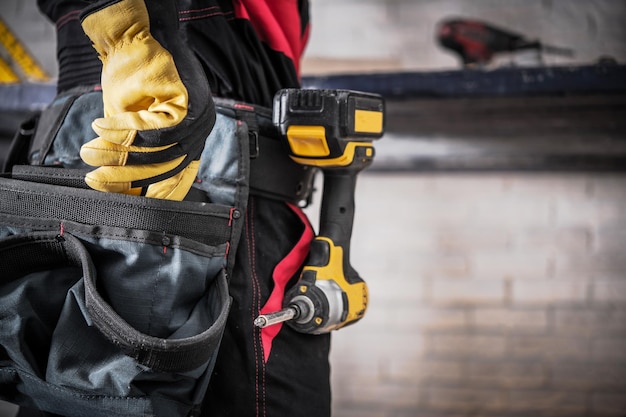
(491, 227)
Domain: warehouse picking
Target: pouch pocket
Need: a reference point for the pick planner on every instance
(64, 126)
(115, 302)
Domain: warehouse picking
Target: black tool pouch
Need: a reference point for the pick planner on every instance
(114, 305)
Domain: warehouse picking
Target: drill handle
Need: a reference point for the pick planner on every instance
(337, 213)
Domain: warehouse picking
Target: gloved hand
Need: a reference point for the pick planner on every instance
(158, 109)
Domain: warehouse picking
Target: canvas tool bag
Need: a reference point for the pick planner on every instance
(110, 304)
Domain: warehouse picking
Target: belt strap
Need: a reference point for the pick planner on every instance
(49, 198)
(273, 174)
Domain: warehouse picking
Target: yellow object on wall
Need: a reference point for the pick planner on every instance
(18, 55)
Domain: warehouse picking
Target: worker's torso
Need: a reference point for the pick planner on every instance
(248, 48)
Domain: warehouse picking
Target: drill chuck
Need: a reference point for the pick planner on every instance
(315, 306)
(279, 316)
(300, 310)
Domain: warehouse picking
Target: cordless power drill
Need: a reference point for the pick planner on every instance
(477, 42)
(332, 130)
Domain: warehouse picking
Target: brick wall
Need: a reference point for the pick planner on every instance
(491, 294)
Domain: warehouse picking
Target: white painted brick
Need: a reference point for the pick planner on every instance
(466, 346)
(440, 265)
(460, 399)
(572, 240)
(367, 346)
(471, 240)
(466, 186)
(467, 291)
(396, 283)
(357, 408)
(588, 376)
(457, 335)
(425, 371)
(507, 265)
(610, 291)
(547, 402)
(611, 350)
(545, 348)
(608, 186)
(608, 403)
(425, 211)
(372, 235)
(549, 292)
(600, 265)
(440, 319)
(607, 237)
(590, 322)
(442, 372)
(587, 213)
(418, 317)
(377, 393)
(507, 375)
(506, 320)
(509, 214)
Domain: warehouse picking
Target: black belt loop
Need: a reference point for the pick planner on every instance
(254, 143)
(18, 150)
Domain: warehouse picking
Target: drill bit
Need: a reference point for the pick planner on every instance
(279, 316)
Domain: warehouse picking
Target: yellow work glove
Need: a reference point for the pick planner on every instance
(158, 109)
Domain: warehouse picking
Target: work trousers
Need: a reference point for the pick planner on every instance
(292, 378)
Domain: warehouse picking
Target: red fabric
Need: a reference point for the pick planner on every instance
(281, 276)
(278, 24)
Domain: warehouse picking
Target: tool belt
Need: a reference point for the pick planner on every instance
(115, 305)
(62, 128)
